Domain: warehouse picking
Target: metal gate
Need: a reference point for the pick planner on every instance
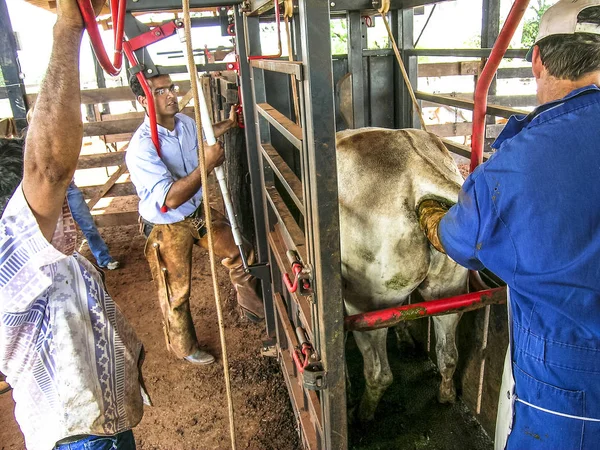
(294, 190)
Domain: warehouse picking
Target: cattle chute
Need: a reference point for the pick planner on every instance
(393, 316)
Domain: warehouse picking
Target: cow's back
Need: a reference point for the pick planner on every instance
(383, 175)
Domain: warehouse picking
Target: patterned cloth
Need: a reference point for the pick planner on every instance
(153, 176)
(66, 349)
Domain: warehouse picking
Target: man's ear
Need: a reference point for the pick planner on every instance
(537, 66)
(143, 100)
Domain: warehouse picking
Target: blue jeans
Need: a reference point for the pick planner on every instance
(121, 441)
(83, 218)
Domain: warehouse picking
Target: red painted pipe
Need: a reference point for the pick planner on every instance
(117, 8)
(278, 22)
(486, 77)
(392, 316)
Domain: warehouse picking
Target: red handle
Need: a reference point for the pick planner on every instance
(292, 287)
(117, 8)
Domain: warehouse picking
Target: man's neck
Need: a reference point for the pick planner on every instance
(555, 89)
(167, 122)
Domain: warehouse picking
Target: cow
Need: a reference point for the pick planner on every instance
(383, 176)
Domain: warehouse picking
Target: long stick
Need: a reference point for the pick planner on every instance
(204, 123)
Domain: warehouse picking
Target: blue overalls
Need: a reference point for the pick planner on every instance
(531, 214)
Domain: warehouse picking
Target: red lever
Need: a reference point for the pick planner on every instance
(293, 287)
(117, 8)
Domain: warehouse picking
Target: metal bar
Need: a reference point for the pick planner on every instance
(285, 126)
(465, 52)
(392, 316)
(274, 65)
(210, 67)
(362, 5)
(325, 244)
(161, 5)
(487, 76)
(11, 69)
(494, 110)
(259, 207)
(288, 178)
(295, 237)
(356, 39)
(312, 401)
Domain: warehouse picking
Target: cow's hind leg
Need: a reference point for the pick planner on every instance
(378, 376)
(445, 279)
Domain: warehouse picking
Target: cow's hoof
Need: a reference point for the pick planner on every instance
(447, 394)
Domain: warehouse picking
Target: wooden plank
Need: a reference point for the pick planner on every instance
(273, 65)
(107, 186)
(285, 126)
(463, 129)
(121, 125)
(117, 190)
(289, 179)
(106, 95)
(449, 69)
(116, 219)
(101, 160)
(494, 110)
(287, 222)
(459, 149)
(514, 101)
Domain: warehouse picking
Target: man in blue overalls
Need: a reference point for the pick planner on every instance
(531, 214)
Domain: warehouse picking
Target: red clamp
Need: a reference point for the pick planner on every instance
(300, 279)
(231, 29)
(303, 351)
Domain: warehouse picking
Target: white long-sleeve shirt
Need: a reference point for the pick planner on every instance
(65, 348)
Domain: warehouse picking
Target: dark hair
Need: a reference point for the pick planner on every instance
(136, 87)
(571, 56)
(11, 168)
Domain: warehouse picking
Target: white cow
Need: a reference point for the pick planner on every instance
(383, 176)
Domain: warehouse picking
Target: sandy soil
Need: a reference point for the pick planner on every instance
(190, 408)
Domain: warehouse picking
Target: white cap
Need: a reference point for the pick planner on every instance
(562, 19)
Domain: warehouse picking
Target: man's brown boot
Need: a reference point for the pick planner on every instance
(245, 286)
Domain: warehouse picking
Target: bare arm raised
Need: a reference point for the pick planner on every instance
(54, 137)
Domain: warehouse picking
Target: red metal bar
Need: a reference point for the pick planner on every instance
(486, 77)
(278, 21)
(392, 316)
(156, 34)
(89, 18)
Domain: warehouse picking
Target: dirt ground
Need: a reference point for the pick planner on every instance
(190, 407)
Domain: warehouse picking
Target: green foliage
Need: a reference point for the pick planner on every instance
(532, 26)
(339, 36)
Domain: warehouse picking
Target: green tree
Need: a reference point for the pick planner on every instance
(532, 26)
(339, 36)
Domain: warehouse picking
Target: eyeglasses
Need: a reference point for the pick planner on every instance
(173, 89)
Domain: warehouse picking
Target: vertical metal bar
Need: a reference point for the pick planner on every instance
(325, 245)
(402, 27)
(254, 163)
(101, 80)
(11, 69)
(356, 38)
(490, 29)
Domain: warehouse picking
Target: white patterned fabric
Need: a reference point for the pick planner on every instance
(66, 349)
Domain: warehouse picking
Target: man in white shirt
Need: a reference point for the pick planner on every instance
(70, 356)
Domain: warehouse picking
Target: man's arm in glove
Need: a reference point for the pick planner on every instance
(430, 214)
